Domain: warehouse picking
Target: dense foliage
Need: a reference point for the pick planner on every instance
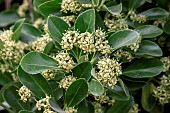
(85, 56)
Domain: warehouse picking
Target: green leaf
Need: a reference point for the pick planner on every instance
(166, 27)
(85, 21)
(123, 38)
(17, 29)
(149, 31)
(55, 106)
(36, 62)
(52, 6)
(96, 87)
(76, 92)
(1, 44)
(36, 83)
(13, 99)
(83, 70)
(155, 13)
(99, 22)
(85, 107)
(117, 9)
(8, 17)
(25, 111)
(149, 48)
(57, 27)
(38, 2)
(5, 78)
(84, 1)
(29, 33)
(144, 68)
(147, 100)
(134, 4)
(121, 106)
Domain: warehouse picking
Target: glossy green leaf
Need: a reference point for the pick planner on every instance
(57, 27)
(117, 9)
(84, 1)
(76, 92)
(147, 100)
(99, 22)
(149, 31)
(52, 6)
(123, 38)
(5, 78)
(85, 21)
(29, 33)
(36, 83)
(25, 111)
(17, 29)
(8, 17)
(134, 4)
(167, 27)
(38, 2)
(13, 99)
(121, 106)
(149, 48)
(144, 68)
(55, 106)
(85, 107)
(83, 70)
(96, 87)
(36, 62)
(155, 13)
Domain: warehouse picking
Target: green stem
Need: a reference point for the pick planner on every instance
(6, 108)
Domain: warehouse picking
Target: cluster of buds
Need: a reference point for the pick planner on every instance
(49, 74)
(37, 22)
(64, 60)
(39, 44)
(137, 18)
(115, 23)
(5, 68)
(23, 8)
(66, 81)
(97, 107)
(69, 19)
(162, 92)
(123, 55)
(45, 105)
(70, 6)
(109, 69)
(134, 47)
(159, 22)
(11, 50)
(104, 99)
(24, 93)
(70, 110)
(88, 5)
(166, 62)
(134, 108)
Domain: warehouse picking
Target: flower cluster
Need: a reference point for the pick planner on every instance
(134, 47)
(70, 6)
(137, 18)
(162, 92)
(67, 81)
(70, 110)
(159, 22)
(45, 105)
(24, 93)
(166, 62)
(134, 109)
(97, 107)
(64, 60)
(69, 19)
(123, 55)
(115, 23)
(23, 8)
(49, 74)
(109, 69)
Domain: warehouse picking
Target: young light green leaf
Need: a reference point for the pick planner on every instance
(52, 6)
(134, 4)
(36, 62)
(166, 27)
(144, 68)
(55, 106)
(149, 31)
(123, 38)
(117, 9)
(147, 100)
(57, 27)
(96, 87)
(17, 29)
(121, 106)
(83, 70)
(13, 99)
(85, 21)
(76, 92)
(155, 13)
(149, 48)
(36, 83)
